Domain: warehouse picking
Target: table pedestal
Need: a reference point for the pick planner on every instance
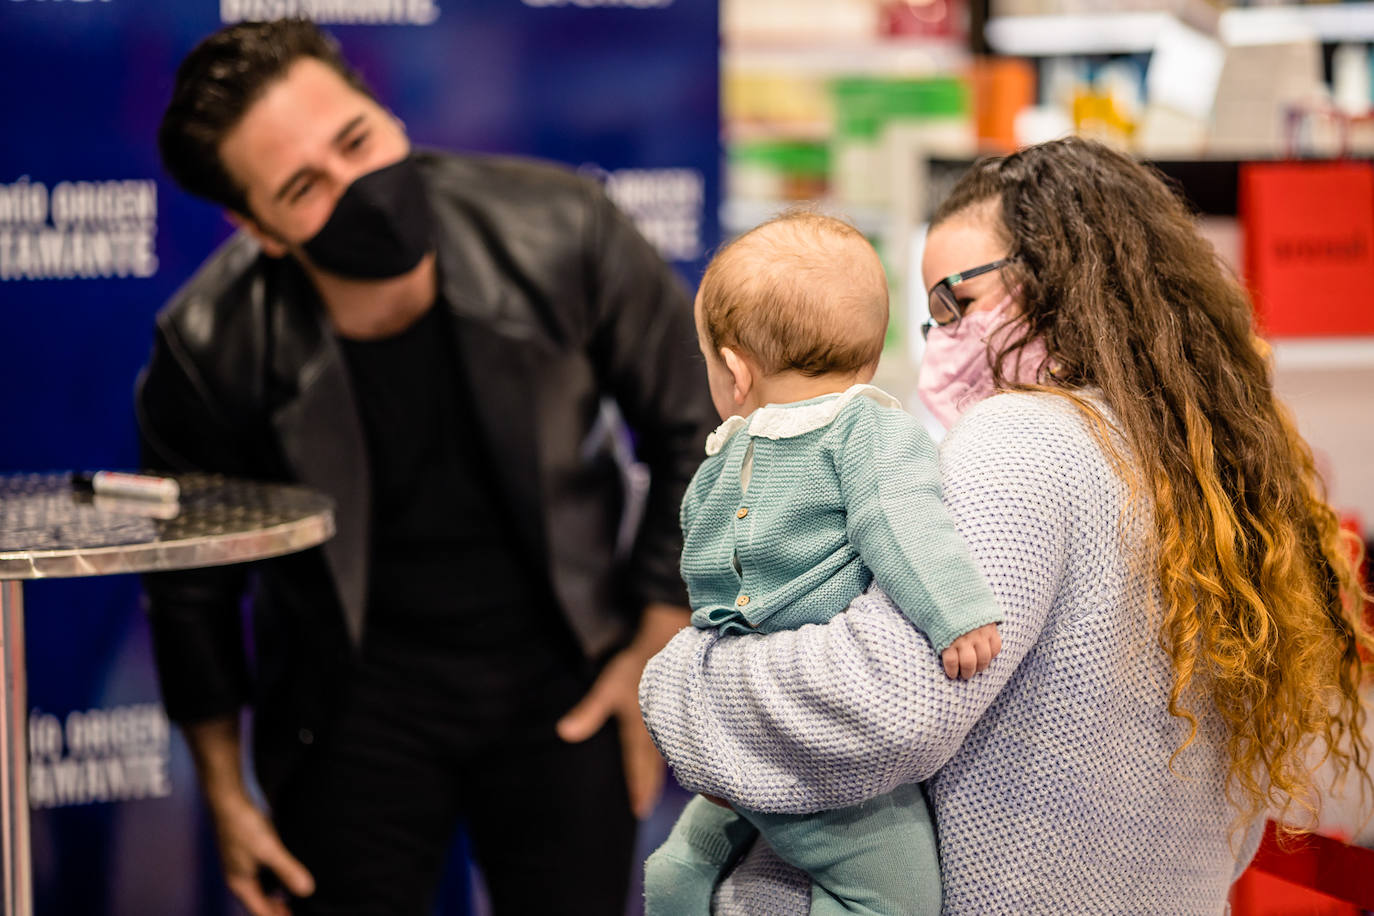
(16, 894)
(50, 530)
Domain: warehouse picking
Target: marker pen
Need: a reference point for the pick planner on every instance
(144, 508)
(134, 486)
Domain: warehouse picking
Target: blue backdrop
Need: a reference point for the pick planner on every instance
(93, 239)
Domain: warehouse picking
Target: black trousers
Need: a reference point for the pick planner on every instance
(427, 738)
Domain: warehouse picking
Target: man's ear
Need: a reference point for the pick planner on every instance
(741, 372)
(271, 245)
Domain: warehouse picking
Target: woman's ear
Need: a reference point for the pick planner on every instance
(741, 373)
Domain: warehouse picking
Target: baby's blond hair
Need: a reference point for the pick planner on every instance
(803, 292)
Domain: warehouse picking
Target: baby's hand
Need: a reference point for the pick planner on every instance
(972, 652)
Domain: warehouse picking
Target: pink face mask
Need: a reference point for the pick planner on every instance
(956, 374)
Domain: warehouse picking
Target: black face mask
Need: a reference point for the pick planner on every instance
(381, 227)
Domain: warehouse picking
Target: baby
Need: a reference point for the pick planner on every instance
(816, 485)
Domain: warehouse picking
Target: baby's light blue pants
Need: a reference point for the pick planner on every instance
(874, 859)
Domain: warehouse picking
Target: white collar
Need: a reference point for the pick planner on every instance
(784, 421)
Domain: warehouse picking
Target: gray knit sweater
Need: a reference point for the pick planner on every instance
(1049, 773)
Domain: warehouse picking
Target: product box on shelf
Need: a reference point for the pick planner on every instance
(1309, 246)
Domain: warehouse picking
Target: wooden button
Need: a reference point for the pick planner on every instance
(742, 600)
(742, 512)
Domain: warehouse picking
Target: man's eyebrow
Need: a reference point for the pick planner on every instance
(348, 129)
(305, 170)
(290, 182)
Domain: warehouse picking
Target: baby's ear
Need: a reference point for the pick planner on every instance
(742, 373)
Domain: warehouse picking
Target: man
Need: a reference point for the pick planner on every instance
(428, 339)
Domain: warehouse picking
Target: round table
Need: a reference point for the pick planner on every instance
(48, 529)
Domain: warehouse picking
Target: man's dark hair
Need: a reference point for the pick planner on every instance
(218, 82)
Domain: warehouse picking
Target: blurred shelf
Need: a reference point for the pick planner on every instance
(877, 57)
(1136, 32)
(1081, 33)
(740, 215)
(736, 131)
(1329, 22)
(1323, 353)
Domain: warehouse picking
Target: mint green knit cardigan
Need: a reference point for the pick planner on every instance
(841, 490)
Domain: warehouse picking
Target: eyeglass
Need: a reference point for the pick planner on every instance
(944, 305)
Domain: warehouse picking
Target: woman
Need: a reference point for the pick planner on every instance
(1181, 608)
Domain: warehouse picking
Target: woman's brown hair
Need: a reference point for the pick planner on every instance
(1262, 608)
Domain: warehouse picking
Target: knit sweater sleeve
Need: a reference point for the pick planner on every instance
(889, 473)
(827, 716)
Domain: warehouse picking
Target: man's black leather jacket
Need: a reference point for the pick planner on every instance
(558, 303)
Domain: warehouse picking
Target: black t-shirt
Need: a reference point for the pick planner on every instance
(447, 566)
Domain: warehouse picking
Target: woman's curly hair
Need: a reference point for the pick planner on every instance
(1263, 612)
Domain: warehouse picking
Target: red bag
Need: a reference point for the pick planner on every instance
(1309, 246)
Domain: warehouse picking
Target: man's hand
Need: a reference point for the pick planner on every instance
(616, 693)
(247, 840)
(248, 843)
(971, 653)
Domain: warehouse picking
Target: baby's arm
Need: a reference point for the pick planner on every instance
(890, 475)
